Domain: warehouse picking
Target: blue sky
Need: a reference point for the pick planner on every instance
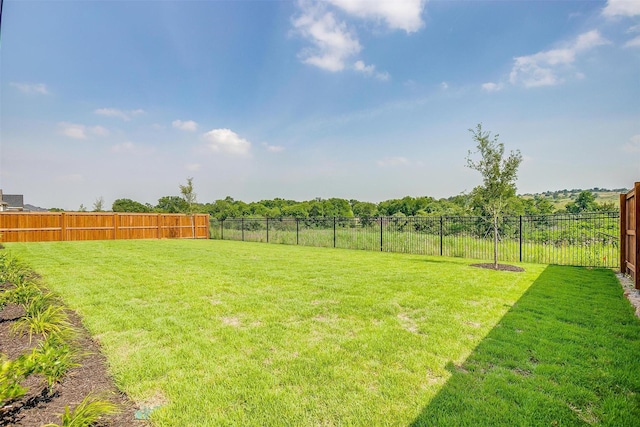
(368, 100)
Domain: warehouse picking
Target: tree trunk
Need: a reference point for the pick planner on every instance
(495, 242)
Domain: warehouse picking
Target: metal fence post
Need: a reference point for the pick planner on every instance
(267, 229)
(380, 234)
(441, 229)
(222, 229)
(334, 231)
(242, 227)
(520, 234)
(297, 230)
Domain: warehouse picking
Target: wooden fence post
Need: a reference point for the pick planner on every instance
(636, 234)
(623, 233)
(630, 234)
(63, 226)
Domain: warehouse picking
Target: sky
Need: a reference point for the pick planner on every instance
(367, 100)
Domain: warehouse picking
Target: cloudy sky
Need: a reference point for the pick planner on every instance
(301, 99)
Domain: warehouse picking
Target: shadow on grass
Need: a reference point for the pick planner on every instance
(567, 353)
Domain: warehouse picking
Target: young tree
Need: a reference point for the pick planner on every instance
(190, 198)
(188, 195)
(98, 204)
(499, 175)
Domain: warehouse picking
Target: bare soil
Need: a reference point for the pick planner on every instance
(501, 267)
(38, 406)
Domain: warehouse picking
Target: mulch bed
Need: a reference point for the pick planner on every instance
(501, 267)
(38, 407)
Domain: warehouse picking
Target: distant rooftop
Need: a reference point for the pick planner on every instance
(11, 202)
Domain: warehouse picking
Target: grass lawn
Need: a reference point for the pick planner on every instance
(232, 333)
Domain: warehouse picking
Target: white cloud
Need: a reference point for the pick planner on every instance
(393, 161)
(367, 69)
(129, 147)
(397, 15)
(444, 85)
(333, 42)
(73, 131)
(634, 42)
(227, 141)
(125, 147)
(622, 8)
(193, 167)
(588, 41)
(370, 70)
(99, 131)
(492, 87)
(31, 88)
(189, 125)
(77, 131)
(121, 114)
(273, 148)
(546, 68)
(633, 146)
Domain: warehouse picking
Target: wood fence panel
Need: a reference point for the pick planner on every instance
(138, 226)
(88, 226)
(58, 226)
(202, 225)
(17, 227)
(630, 234)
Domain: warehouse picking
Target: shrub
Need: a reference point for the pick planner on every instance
(43, 318)
(87, 413)
(12, 372)
(52, 358)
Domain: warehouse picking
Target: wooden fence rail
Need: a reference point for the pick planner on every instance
(59, 226)
(630, 234)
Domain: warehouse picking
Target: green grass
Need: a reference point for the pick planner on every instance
(566, 354)
(231, 333)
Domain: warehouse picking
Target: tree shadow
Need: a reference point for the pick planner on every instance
(567, 353)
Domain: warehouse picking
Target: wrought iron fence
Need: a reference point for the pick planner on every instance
(587, 239)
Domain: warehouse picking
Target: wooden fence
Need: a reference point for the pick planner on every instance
(630, 234)
(59, 226)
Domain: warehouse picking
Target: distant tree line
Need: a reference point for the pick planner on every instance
(461, 205)
(574, 193)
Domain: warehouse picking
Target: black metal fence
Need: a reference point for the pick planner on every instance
(587, 239)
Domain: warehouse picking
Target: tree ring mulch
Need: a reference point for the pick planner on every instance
(501, 267)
